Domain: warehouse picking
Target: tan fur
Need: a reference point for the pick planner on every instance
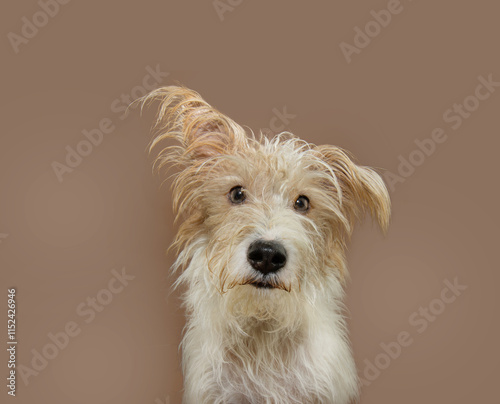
(243, 344)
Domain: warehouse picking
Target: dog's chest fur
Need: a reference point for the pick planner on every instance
(261, 364)
(277, 360)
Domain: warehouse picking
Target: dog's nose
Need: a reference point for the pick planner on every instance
(266, 256)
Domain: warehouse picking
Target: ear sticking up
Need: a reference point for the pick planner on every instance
(361, 187)
(202, 131)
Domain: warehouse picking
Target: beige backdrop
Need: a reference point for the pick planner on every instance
(412, 87)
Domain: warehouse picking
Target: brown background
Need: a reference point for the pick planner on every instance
(110, 212)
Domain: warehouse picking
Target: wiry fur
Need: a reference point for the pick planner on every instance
(243, 344)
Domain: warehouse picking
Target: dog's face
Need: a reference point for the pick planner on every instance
(268, 217)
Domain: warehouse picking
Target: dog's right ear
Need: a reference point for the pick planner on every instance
(202, 131)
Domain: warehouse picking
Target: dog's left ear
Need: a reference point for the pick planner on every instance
(361, 188)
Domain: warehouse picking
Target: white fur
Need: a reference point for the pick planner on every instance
(245, 344)
(307, 361)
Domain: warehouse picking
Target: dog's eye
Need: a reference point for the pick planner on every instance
(302, 204)
(237, 195)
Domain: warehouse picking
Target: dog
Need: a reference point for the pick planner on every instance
(260, 251)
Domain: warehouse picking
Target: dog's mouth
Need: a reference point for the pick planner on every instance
(267, 283)
(262, 285)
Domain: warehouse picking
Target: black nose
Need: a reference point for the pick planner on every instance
(266, 256)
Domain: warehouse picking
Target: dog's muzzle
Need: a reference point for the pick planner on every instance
(266, 256)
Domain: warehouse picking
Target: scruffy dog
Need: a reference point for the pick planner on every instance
(261, 249)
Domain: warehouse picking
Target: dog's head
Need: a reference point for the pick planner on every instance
(261, 218)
